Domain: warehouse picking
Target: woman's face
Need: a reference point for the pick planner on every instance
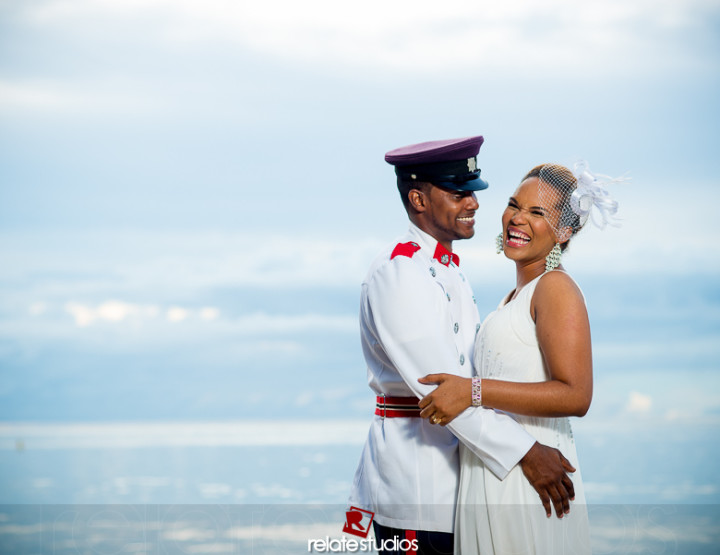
(527, 235)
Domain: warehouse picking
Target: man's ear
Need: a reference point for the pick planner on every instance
(417, 200)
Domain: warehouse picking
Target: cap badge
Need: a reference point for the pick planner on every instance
(472, 164)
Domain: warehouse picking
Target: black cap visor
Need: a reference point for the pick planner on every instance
(467, 182)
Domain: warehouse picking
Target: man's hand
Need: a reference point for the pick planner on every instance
(546, 470)
(452, 396)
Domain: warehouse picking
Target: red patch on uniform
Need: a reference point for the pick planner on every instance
(405, 249)
(444, 256)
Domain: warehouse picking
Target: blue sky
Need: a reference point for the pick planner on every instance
(190, 193)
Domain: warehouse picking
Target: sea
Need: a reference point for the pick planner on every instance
(281, 487)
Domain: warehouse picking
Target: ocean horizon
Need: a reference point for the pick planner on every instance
(263, 487)
(298, 461)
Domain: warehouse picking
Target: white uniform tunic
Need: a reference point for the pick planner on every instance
(418, 317)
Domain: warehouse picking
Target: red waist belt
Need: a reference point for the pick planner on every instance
(396, 407)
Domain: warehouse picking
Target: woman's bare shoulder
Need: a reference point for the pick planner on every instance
(559, 289)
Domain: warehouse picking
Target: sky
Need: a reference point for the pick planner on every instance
(191, 193)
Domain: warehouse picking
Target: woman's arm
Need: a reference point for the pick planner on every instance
(563, 333)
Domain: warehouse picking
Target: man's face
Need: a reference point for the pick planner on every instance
(449, 214)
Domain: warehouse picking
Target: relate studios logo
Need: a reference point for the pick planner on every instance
(358, 522)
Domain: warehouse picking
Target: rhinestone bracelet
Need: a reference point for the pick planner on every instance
(477, 392)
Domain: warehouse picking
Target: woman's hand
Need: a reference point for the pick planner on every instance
(452, 396)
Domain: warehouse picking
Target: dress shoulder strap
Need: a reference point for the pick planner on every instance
(529, 289)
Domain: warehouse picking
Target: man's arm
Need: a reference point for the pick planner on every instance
(401, 306)
(406, 312)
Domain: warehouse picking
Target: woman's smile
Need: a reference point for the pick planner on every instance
(516, 238)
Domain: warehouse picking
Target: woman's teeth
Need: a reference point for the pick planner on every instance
(518, 238)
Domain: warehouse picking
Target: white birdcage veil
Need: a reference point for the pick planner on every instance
(571, 197)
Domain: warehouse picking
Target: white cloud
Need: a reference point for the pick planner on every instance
(114, 311)
(685, 490)
(42, 483)
(84, 315)
(260, 322)
(303, 399)
(204, 260)
(634, 528)
(403, 35)
(638, 402)
(175, 434)
(37, 308)
(294, 533)
(33, 96)
(272, 346)
(673, 414)
(636, 350)
(214, 490)
(186, 532)
(281, 260)
(249, 324)
(176, 314)
(209, 313)
(118, 96)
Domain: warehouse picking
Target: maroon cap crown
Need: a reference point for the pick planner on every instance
(435, 151)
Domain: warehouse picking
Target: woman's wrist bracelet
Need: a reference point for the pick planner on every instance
(477, 392)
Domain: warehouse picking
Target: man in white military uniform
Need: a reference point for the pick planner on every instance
(418, 316)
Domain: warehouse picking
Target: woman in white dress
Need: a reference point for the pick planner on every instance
(532, 359)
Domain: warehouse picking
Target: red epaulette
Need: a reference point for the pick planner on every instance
(405, 249)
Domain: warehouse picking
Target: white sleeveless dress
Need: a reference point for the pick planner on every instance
(507, 517)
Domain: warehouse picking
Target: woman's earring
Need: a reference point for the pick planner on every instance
(499, 243)
(552, 260)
